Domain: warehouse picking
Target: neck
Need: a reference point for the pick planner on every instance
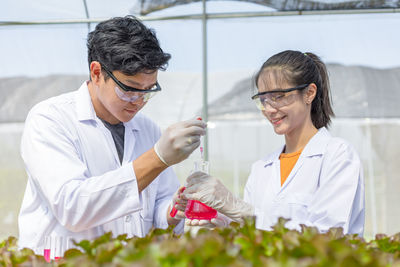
(298, 138)
(99, 108)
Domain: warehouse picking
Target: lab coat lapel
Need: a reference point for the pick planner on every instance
(316, 146)
(131, 131)
(109, 139)
(292, 174)
(274, 163)
(86, 113)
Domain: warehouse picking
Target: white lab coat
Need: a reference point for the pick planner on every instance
(324, 189)
(76, 184)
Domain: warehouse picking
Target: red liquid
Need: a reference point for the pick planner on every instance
(57, 258)
(174, 210)
(47, 255)
(197, 210)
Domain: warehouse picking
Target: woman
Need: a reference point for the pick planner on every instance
(314, 178)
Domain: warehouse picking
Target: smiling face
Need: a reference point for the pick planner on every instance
(107, 104)
(290, 118)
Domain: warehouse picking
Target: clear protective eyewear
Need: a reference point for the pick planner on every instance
(131, 94)
(276, 98)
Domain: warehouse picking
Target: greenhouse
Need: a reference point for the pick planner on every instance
(216, 48)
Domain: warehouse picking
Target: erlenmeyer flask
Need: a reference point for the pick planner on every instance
(194, 208)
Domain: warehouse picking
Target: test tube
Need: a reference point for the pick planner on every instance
(69, 243)
(47, 248)
(58, 247)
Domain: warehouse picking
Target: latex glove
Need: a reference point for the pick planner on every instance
(179, 204)
(179, 140)
(209, 190)
(220, 221)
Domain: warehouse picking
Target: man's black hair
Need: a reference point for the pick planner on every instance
(127, 45)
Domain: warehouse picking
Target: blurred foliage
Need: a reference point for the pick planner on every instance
(238, 245)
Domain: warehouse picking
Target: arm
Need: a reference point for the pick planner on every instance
(56, 166)
(147, 167)
(339, 200)
(176, 143)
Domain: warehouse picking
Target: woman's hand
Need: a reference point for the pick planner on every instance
(210, 191)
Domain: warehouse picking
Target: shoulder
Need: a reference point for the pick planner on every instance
(57, 108)
(340, 148)
(330, 147)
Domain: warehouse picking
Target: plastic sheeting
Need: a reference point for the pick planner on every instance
(357, 92)
(147, 6)
(39, 61)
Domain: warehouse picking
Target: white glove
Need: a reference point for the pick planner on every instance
(220, 221)
(179, 140)
(209, 190)
(179, 204)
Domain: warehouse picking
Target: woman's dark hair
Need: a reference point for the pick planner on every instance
(303, 68)
(127, 45)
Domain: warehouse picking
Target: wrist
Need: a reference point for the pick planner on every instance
(157, 151)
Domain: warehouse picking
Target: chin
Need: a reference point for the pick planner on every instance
(126, 117)
(280, 130)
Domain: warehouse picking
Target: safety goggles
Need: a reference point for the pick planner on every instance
(131, 94)
(276, 98)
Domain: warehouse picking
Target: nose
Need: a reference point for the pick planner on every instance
(268, 108)
(138, 102)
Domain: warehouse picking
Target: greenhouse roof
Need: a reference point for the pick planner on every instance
(49, 10)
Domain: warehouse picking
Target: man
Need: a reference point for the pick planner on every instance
(94, 162)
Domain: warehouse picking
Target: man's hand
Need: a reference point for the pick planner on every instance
(180, 205)
(179, 140)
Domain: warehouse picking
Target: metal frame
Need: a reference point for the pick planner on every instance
(211, 16)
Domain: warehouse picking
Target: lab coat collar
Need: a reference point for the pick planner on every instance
(133, 124)
(85, 109)
(316, 146)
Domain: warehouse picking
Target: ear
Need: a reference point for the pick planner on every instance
(95, 71)
(310, 93)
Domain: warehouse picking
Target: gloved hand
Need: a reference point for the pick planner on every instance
(220, 221)
(179, 140)
(209, 190)
(179, 204)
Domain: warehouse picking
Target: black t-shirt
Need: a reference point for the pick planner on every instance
(118, 134)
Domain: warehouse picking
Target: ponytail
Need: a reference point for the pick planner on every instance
(321, 109)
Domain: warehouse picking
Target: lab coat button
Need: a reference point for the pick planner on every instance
(128, 218)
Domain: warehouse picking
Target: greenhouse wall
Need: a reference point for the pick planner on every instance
(42, 60)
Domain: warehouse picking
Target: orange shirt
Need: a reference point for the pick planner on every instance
(288, 160)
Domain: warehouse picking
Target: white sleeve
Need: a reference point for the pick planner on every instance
(53, 162)
(339, 200)
(249, 194)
